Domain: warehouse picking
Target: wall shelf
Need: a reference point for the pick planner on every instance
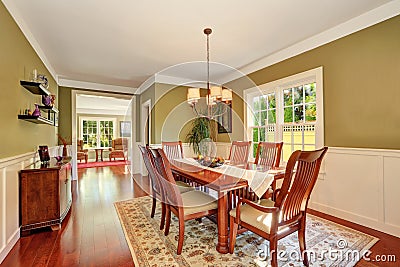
(35, 88)
(35, 119)
(48, 109)
(50, 112)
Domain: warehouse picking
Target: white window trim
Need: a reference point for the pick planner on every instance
(81, 119)
(276, 86)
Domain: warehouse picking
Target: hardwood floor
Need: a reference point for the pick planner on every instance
(91, 234)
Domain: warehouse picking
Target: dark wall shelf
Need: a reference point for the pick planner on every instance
(35, 88)
(34, 119)
(51, 112)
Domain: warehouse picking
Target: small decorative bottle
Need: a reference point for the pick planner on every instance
(36, 112)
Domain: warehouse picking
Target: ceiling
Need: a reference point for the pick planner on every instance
(102, 105)
(125, 42)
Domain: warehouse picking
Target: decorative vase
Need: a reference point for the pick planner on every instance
(52, 100)
(36, 112)
(44, 154)
(65, 152)
(46, 100)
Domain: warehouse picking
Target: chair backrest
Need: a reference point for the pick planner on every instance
(294, 195)
(173, 150)
(155, 184)
(239, 153)
(120, 143)
(79, 145)
(172, 196)
(268, 154)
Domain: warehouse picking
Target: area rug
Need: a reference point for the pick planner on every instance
(149, 246)
(102, 164)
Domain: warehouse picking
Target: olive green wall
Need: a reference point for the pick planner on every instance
(361, 85)
(65, 117)
(18, 60)
(172, 112)
(173, 115)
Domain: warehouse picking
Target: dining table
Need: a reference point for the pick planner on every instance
(225, 179)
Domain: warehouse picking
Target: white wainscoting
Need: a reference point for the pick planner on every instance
(9, 197)
(361, 186)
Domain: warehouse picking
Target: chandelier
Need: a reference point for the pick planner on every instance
(217, 99)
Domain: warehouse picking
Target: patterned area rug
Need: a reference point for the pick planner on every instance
(332, 244)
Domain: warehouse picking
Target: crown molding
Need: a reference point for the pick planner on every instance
(96, 86)
(363, 21)
(13, 11)
(145, 85)
(100, 111)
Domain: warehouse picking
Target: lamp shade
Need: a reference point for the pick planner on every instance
(216, 91)
(226, 94)
(193, 94)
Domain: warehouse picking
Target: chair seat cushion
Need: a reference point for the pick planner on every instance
(198, 201)
(254, 217)
(184, 187)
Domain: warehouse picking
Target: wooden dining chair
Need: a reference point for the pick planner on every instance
(155, 190)
(160, 168)
(186, 206)
(239, 153)
(268, 154)
(173, 150)
(275, 220)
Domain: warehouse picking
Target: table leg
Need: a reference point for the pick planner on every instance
(222, 222)
(101, 155)
(97, 155)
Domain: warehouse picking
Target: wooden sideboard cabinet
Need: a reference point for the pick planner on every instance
(45, 195)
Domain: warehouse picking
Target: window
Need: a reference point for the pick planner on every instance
(288, 110)
(97, 132)
(264, 119)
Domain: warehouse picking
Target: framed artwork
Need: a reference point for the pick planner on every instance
(125, 128)
(225, 120)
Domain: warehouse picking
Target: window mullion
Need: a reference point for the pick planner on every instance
(279, 114)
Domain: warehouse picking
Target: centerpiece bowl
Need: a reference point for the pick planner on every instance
(210, 162)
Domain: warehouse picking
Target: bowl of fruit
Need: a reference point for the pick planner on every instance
(210, 162)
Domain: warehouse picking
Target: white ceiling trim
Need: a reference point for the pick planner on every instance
(101, 111)
(363, 21)
(13, 11)
(96, 86)
(144, 86)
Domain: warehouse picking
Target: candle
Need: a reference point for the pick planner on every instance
(34, 75)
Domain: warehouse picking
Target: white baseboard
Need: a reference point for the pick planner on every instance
(356, 218)
(9, 245)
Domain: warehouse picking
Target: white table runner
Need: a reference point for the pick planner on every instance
(258, 181)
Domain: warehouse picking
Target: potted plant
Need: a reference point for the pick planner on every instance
(65, 142)
(202, 128)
